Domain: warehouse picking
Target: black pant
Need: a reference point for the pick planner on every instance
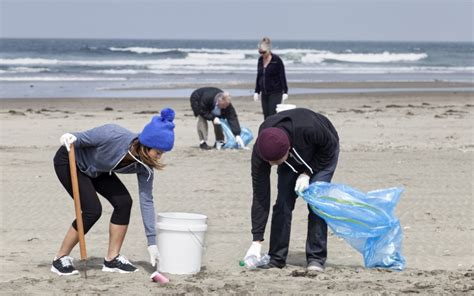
(109, 186)
(269, 103)
(317, 231)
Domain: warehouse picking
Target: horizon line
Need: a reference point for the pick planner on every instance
(243, 39)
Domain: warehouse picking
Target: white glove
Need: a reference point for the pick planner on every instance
(67, 139)
(216, 121)
(256, 96)
(302, 184)
(254, 250)
(154, 254)
(240, 142)
(284, 97)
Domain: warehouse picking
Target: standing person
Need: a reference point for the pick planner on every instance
(305, 147)
(101, 153)
(271, 84)
(210, 104)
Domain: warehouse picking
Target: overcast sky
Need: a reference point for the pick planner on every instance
(385, 20)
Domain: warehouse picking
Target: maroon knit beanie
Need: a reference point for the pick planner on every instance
(272, 144)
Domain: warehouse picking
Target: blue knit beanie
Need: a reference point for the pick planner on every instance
(159, 134)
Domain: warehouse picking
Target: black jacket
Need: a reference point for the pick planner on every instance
(203, 102)
(315, 141)
(272, 79)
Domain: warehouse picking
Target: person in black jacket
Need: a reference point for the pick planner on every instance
(305, 147)
(210, 104)
(271, 79)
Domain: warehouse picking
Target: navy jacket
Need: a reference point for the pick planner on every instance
(272, 79)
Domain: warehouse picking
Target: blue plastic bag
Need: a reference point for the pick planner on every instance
(365, 220)
(245, 134)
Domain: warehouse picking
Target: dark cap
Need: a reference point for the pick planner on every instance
(272, 144)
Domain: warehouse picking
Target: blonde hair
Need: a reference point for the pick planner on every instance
(142, 152)
(265, 44)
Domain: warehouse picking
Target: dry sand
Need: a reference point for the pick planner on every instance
(423, 142)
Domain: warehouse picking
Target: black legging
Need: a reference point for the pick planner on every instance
(269, 103)
(109, 186)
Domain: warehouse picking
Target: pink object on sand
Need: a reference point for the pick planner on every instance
(158, 277)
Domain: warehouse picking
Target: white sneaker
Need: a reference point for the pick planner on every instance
(315, 266)
(219, 145)
(64, 266)
(119, 264)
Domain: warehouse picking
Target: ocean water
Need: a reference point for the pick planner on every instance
(94, 67)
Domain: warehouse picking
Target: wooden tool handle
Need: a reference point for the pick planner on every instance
(77, 202)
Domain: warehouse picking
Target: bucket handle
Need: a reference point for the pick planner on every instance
(197, 238)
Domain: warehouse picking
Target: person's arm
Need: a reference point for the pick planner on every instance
(147, 207)
(261, 195)
(208, 115)
(324, 142)
(231, 116)
(283, 77)
(259, 73)
(207, 105)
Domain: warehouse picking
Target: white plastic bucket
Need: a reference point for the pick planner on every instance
(180, 239)
(284, 107)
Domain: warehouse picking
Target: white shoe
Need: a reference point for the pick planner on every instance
(315, 266)
(119, 264)
(64, 266)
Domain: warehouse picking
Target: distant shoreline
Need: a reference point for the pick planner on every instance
(38, 92)
(325, 85)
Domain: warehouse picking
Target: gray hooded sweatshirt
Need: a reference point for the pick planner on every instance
(101, 149)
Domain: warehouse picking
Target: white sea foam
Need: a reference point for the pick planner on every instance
(139, 50)
(29, 61)
(118, 72)
(225, 61)
(150, 50)
(60, 78)
(385, 57)
(231, 57)
(91, 62)
(13, 70)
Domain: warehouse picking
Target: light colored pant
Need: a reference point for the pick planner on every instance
(202, 130)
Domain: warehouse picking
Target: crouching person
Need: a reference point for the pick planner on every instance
(305, 147)
(101, 154)
(211, 104)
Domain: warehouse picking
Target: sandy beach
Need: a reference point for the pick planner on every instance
(420, 141)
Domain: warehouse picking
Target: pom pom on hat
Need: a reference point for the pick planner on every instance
(159, 133)
(272, 144)
(167, 114)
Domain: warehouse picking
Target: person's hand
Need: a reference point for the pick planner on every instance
(154, 254)
(284, 97)
(256, 96)
(216, 121)
(67, 139)
(254, 250)
(302, 183)
(239, 141)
